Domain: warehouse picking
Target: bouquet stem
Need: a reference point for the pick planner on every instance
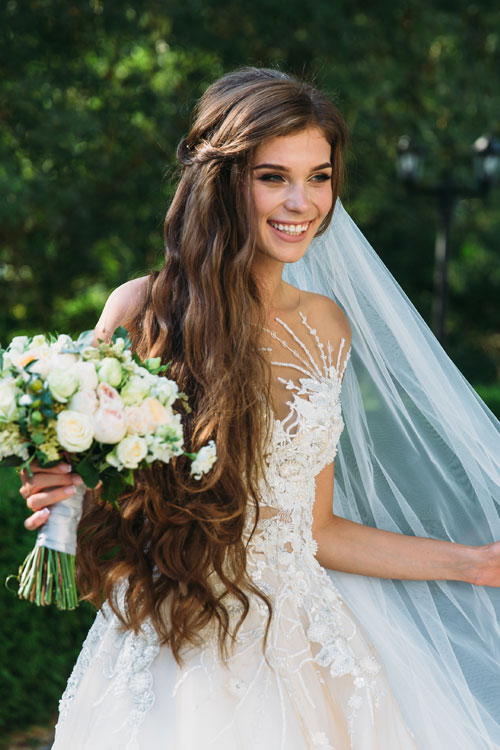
(48, 577)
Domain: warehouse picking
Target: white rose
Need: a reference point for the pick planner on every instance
(62, 383)
(135, 390)
(204, 460)
(131, 451)
(86, 374)
(167, 391)
(109, 425)
(110, 371)
(74, 431)
(84, 401)
(8, 405)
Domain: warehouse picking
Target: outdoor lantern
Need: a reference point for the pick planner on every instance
(487, 160)
(409, 160)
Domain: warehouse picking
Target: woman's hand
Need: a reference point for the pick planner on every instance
(44, 488)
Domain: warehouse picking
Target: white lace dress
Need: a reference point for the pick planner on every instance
(319, 685)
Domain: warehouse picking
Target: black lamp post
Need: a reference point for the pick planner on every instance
(447, 192)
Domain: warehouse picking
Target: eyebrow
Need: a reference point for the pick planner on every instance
(280, 168)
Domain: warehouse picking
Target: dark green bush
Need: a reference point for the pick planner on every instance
(38, 646)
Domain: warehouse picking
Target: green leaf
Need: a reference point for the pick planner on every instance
(113, 485)
(38, 438)
(88, 471)
(122, 333)
(128, 477)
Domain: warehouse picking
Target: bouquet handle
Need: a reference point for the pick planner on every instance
(59, 531)
(48, 573)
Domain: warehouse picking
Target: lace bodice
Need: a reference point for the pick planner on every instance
(305, 439)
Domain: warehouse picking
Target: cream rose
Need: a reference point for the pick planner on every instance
(74, 431)
(8, 405)
(109, 397)
(62, 383)
(84, 401)
(129, 452)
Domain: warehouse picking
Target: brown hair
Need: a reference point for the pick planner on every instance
(180, 544)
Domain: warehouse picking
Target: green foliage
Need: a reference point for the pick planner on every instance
(39, 644)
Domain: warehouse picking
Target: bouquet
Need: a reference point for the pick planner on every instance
(99, 408)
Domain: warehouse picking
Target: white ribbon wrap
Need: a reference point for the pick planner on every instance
(59, 531)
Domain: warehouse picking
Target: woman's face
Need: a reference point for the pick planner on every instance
(292, 192)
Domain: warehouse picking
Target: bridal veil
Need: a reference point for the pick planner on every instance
(420, 455)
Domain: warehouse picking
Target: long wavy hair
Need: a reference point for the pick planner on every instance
(179, 544)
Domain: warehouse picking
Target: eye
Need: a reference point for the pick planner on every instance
(271, 177)
(321, 177)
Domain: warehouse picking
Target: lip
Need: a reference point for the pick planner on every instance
(288, 237)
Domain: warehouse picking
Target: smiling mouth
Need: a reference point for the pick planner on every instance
(294, 230)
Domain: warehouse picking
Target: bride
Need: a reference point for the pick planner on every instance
(231, 615)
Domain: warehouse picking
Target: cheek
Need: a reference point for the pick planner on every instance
(263, 202)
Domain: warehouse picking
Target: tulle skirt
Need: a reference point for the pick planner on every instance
(318, 684)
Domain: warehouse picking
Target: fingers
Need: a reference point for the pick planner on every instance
(48, 496)
(45, 481)
(37, 519)
(61, 468)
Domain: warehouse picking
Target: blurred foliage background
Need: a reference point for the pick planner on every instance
(95, 95)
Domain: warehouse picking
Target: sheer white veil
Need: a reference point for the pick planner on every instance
(420, 454)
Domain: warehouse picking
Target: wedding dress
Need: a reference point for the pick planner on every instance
(319, 683)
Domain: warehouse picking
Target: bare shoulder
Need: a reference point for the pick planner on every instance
(326, 317)
(121, 306)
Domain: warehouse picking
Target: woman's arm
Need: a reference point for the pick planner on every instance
(353, 548)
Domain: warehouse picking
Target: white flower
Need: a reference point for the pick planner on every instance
(86, 374)
(128, 453)
(161, 451)
(84, 401)
(74, 431)
(135, 391)
(119, 345)
(204, 460)
(63, 340)
(62, 383)
(18, 344)
(110, 371)
(38, 342)
(109, 425)
(8, 405)
(167, 391)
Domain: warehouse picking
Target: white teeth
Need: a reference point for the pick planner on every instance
(293, 229)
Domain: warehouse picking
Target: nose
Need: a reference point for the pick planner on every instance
(298, 199)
